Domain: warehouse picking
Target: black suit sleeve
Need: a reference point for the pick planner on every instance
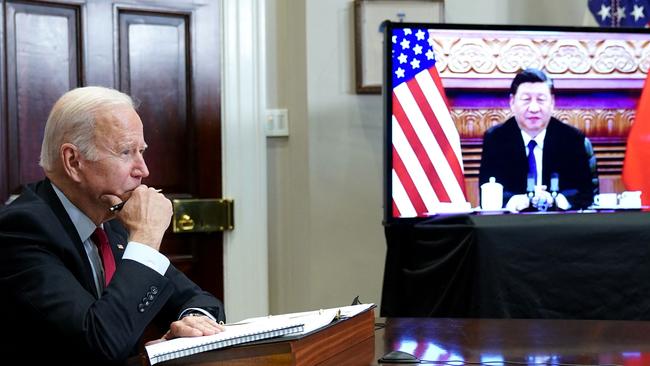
(186, 293)
(189, 295)
(50, 298)
(566, 153)
(43, 281)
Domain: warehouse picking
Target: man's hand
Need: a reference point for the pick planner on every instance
(542, 199)
(517, 203)
(561, 202)
(146, 215)
(191, 326)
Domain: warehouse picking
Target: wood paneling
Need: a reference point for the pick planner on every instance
(168, 62)
(154, 70)
(600, 123)
(42, 60)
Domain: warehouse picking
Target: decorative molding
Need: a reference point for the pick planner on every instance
(493, 54)
(472, 123)
(595, 123)
(246, 291)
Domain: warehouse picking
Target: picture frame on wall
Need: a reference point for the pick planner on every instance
(368, 17)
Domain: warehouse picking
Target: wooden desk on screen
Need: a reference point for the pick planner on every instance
(346, 343)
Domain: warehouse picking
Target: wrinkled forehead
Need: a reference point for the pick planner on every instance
(119, 124)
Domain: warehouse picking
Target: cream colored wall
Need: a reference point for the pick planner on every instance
(535, 12)
(326, 241)
(290, 285)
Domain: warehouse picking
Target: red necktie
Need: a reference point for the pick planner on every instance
(101, 240)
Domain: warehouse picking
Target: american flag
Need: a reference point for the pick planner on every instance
(427, 162)
(620, 13)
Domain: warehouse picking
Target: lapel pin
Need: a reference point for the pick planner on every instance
(120, 246)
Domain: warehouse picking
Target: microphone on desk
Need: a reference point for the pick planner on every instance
(530, 192)
(555, 184)
(530, 186)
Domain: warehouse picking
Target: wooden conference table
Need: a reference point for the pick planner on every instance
(525, 341)
(451, 341)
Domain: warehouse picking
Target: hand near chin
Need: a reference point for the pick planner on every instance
(146, 215)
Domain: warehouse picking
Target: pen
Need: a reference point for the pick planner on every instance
(119, 206)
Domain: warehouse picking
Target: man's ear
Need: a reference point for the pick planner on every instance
(71, 161)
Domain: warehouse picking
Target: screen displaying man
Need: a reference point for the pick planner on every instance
(540, 161)
(80, 282)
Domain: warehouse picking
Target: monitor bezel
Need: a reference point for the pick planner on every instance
(389, 26)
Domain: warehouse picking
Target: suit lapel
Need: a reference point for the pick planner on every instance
(116, 239)
(44, 190)
(518, 152)
(550, 147)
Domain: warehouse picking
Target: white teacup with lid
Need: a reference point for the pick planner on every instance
(606, 200)
(630, 199)
(491, 195)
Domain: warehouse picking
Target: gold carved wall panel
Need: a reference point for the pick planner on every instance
(589, 55)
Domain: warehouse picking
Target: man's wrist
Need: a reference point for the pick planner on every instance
(147, 256)
(195, 312)
(149, 240)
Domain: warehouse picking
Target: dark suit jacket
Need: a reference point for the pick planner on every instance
(504, 157)
(52, 313)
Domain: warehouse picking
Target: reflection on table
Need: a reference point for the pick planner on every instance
(529, 341)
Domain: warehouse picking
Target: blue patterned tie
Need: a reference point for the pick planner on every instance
(532, 164)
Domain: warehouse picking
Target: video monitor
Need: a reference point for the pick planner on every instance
(445, 85)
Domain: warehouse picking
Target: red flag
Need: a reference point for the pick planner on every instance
(636, 168)
(427, 162)
(635, 359)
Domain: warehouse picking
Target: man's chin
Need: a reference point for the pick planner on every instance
(536, 126)
(108, 198)
(127, 191)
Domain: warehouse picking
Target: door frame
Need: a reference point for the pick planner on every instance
(243, 101)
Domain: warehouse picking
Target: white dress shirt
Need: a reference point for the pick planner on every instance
(135, 251)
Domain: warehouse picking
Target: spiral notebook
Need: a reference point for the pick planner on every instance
(233, 335)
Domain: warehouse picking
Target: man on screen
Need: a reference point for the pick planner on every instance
(558, 173)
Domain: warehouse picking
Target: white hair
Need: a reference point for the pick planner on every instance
(72, 120)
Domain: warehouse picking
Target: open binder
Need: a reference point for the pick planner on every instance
(233, 335)
(253, 331)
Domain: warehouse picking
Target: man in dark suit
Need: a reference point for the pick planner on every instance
(69, 296)
(558, 150)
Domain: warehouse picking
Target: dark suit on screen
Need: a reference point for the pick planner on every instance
(52, 310)
(504, 157)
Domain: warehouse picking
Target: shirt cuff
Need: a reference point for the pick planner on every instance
(147, 256)
(189, 311)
